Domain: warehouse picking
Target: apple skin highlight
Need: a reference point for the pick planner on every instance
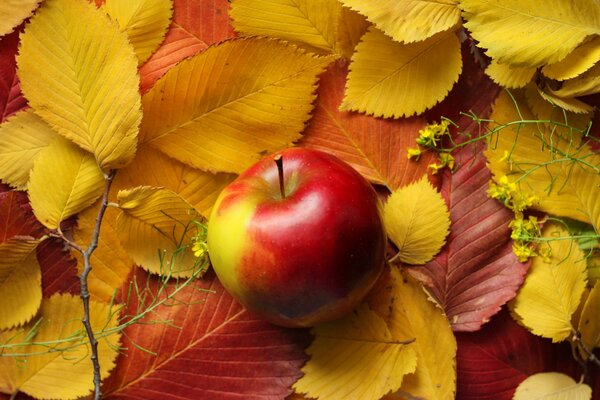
(305, 259)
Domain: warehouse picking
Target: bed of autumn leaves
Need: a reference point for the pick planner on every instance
(473, 119)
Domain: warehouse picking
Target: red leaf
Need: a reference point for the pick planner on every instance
(16, 218)
(196, 25)
(59, 269)
(219, 351)
(11, 99)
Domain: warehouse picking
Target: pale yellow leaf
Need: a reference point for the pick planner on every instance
(224, 108)
(83, 83)
(153, 168)
(402, 302)
(543, 109)
(589, 323)
(111, 264)
(509, 76)
(552, 386)
(145, 21)
(155, 227)
(391, 79)
(20, 281)
(351, 27)
(13, 12)
(57, 365)
(550, 162)
(523, 33)
(409, 20)
(585, 84)
(64, 180)
(22, 137)
(577, 62)
(355, 358)
(567, 103)
(553, 288)
(310, 22)
(417, 221)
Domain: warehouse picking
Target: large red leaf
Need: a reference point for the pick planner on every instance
(210, 349)
(16, 219)
(11, 99)
(196, 25)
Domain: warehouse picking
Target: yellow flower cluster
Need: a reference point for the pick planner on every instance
(430, 137)
(199, 248)
(506, 192)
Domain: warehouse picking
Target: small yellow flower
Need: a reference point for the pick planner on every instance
(435, 168)
(413, 153)
(199, 248)
(446, 160)
(523, 251)
(431, 134)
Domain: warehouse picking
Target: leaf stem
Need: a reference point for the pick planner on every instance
(279, 161)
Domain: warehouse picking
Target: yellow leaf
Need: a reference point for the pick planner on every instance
(224, 108)
(355, 358)
(13, 12)
(311, 22)
(593, 265)
(153, 168)
(564, 186)
(519, 31)
(55, 364)
(403, 303)
(145, 21)
(552, 290)
(509, 76)
(417, 221)
(111, 263)
(409, 20)
(545, 110)
(20, 281)
(391, 79)
(84, 84)
(64, 180)
(589, 323)
(22, 137)
(587, 83)
(351, 27)
(577, 62)
(156, 227)
(552, 386)
(567, 103)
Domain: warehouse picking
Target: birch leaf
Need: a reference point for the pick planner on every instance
(155, 227)
(145, 22)
(403, 304)
(552, 386)
(22, 137)
(552, 290)
(409, 21)
(311, 22)
(20, 281)
(57, 374)
(510, 76)
(577, 62)
(390, 79)
(417, 221)
(349, 357)
(589, 324)
(13, 12)
(224, 108)
(64, 180)
(85, 85)
(518, 31)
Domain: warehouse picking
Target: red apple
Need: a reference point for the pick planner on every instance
(304, 257)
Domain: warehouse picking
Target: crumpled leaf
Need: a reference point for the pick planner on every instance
(417, 221)
(13, 12)
(577, 62)
(552, 386)
(355, 358)
(553, 288)
(518, 31)
(509, 76)
(20, 281)
(145, 21)
(589, 324)
(195, 26)
(155, 227)
(57, 374)
(411, 20)
(22, 137)
(391, 79)
(221, 110)
(86, 86)
(403, 304)
(11, 99)
(75, 178)
(233, 353)
(563, 187)
(373, 146)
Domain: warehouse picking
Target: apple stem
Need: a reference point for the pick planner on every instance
(279, 161)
